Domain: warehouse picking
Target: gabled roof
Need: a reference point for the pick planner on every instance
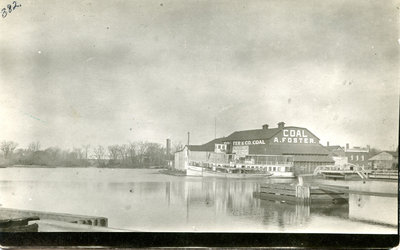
(376, 157)
(292, 149)
(209, 146)
(252, 134)
(334, 147)
(314, 158)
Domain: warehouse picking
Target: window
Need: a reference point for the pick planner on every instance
(362, 157)
(356, 157)
(351, 157)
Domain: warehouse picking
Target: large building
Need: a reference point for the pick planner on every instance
(281, 142)
(358, 155)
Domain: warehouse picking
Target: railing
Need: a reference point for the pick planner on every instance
(346, 168)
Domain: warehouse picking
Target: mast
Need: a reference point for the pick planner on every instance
(215, 127)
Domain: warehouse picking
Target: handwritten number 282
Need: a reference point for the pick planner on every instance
(10, 8)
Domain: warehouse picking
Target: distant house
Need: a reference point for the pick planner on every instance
(337, 153)
(385, 160)
(358, 155)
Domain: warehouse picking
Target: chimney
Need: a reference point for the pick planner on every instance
(265, 126)
(347, 146)
(168, 148)
(327, 143)
(188, 138)
(281, 125)
(369, 148)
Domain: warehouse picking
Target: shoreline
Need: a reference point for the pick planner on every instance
(172, 172)
(113, 167)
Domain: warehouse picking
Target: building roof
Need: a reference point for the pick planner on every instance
(209, 146)
(357, 150)
(292, 149)
(333, 147)
(252, 134)
(312, 158)
(377, 156)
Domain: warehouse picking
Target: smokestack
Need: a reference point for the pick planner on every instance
(188, 143)
(347, 146)
(327, 143)
(168, 148)
(265, 126)
(369, 148)
(281, 125)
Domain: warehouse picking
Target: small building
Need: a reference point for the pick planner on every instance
(358, 155)
(337, 153)
(385, 160)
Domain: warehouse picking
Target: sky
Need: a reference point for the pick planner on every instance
(116, 71)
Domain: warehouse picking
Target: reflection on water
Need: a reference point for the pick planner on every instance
(384, 209)
(147, 201)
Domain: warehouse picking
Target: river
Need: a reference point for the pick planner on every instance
(145, 200)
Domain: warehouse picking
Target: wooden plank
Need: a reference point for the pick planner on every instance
(278, 191)
(286, 187)
(326, 197)
(321, 192)
(27, 228)
(17, 221)
(277, 197)
(329, 201)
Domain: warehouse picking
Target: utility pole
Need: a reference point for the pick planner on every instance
(188, 142)
(215, 128)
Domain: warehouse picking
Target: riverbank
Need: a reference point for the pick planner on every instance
(173, 172)
(99, 167)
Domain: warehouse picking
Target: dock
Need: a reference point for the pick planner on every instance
(302, 193)
(71, 218)
(19, 224)
(17, 220)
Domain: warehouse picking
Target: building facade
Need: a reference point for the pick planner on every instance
(358, 155)
(385, 160)
(282, 143)
(337, 153)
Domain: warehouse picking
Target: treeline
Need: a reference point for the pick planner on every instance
(131, 155)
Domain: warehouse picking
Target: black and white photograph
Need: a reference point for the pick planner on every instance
(199, 116)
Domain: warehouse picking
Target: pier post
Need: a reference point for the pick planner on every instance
(303, 193)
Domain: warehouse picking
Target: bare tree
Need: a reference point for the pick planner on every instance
(86, 150)
(78, 152)
(8, 147)
(99, 153)
(177, 147)
(131, 153)
(140, 149)
(124, 153)
(34, 146)
(113, 152)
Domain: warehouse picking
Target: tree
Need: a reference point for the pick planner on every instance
(123, 151)
(140, 149)
(113, 152)
(86, 149)
(131, 153)
(99, 153)
(8, 147)
(177, 147)
(34, 146)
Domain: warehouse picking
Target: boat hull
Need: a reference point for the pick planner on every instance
(198, 171)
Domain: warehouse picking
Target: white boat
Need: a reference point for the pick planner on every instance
(226, 172)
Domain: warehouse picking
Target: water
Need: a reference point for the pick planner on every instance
(144, 200)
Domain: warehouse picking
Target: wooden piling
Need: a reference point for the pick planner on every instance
(300, 193)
